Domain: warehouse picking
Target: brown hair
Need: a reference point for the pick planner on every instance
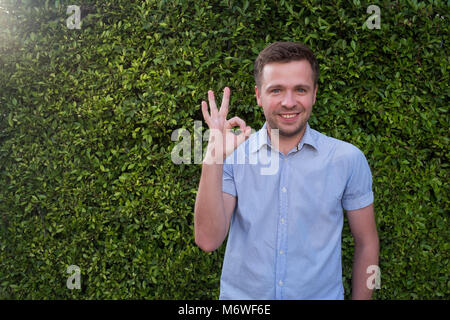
(285, 52)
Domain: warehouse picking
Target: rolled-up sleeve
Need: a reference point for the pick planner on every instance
(228, 185)
(358, 191)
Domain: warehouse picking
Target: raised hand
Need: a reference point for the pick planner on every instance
(222, 141)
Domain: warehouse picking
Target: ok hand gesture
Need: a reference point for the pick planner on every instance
(222, 141)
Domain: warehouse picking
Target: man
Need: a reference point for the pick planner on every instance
(285, 227)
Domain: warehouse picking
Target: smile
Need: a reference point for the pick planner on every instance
(290, 116)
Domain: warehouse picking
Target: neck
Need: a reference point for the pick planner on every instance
(285, 143)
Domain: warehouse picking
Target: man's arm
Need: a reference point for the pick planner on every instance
(213, 208)
(364, 230)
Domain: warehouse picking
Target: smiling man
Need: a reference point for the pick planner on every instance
(284, 238)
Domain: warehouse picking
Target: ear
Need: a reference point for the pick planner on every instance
(315, 93)
(258, 96)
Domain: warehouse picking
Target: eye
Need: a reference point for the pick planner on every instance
(301, 90)
(275, 90)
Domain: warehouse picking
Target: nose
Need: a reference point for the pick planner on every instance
(288, 99)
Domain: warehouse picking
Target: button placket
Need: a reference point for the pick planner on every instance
(282, 233)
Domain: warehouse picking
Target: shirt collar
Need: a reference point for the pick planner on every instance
(308, 138)
(261, 138)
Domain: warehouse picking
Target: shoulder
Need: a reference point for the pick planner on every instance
(339, 149)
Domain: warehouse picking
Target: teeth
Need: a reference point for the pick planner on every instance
(287, 116)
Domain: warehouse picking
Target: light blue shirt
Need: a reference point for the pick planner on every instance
(285, 233)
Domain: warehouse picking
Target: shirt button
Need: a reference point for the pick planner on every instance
(283, 221)
(280, 283)
(281, 251)
(283, 189)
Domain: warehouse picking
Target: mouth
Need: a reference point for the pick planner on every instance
(289, 117)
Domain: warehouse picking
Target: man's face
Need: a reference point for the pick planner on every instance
(287, 95)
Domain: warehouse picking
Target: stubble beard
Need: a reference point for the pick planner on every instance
(285, 133)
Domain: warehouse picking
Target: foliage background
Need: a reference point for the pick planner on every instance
(86, 118)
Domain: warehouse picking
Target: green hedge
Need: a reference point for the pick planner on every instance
(86, 119)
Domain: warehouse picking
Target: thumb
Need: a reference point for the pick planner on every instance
(243, 135)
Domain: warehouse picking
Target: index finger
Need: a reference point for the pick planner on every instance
(236, 121)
